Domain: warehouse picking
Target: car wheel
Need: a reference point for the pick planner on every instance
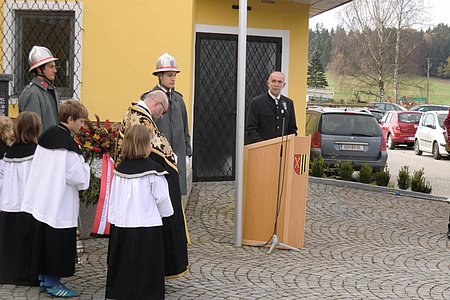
(390, 142)
(436, 153)
(417, 150)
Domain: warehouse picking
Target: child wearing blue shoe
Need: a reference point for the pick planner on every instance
(57, 173)
(139, 200)
(16, 226)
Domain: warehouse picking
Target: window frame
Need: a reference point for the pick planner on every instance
(22, 64)
(11, 39)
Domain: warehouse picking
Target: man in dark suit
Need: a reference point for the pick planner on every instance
(267, 112)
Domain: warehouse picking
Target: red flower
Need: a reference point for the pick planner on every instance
(96, 140)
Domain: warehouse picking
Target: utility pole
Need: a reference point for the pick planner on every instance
(428, 78)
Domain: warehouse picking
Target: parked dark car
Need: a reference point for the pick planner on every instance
(399, 127)
(378, 114)
(346, 136)
(429, 107)
(385, 106)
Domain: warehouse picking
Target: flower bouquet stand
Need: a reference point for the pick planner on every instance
(97, 144)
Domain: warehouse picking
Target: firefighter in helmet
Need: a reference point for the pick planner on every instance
(40, 94)
(174, 125)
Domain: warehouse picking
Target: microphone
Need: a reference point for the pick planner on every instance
(284, 105)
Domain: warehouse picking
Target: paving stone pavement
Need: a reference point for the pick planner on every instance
(358, 245)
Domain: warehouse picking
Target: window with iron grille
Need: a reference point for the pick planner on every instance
(55, 25)
(215, 97)
(53, 30)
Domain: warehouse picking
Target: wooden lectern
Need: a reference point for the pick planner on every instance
(261, 164)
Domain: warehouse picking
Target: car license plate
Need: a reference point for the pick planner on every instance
(410, 138)
(352, 147)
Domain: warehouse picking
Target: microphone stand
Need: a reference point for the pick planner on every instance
(274, 240)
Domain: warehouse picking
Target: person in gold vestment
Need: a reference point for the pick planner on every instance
(175, 234)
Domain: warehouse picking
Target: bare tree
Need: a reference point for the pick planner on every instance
(379, 25)
(407, 13)
(371, 19)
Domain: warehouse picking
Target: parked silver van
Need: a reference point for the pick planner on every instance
(342, 135)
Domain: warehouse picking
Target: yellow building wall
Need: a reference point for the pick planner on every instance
(121, 42)
(282, 15)
(120, 45)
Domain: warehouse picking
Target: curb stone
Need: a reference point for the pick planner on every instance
(376, 188)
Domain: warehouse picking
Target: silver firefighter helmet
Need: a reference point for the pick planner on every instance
(166, 63)
(39, 56)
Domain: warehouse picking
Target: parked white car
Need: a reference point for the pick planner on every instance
(430, 135)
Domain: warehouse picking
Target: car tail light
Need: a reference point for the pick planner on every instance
(383, 143)
(316, 140)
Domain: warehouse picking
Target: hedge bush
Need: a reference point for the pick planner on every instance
(403, 178)
(366, 174)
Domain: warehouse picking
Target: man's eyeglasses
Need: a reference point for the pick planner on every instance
(164, 108)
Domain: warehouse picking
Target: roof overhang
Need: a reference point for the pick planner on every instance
(316, 7)
(319, 6)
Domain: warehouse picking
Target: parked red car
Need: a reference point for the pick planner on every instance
(399, 127)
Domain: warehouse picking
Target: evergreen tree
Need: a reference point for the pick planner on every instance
(316, 74)
(437, 40)
(320, 40)
(444, 69)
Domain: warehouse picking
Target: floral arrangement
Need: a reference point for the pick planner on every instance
(94, 141)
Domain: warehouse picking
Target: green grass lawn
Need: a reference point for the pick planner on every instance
(439, 89)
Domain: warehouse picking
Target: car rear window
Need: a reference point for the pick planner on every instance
(349, 124)
(409, 118)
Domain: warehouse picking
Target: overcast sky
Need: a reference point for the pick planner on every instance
(439, 13)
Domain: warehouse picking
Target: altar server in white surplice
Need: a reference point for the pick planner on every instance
(16, 226)
(139, 200)
(57, 173)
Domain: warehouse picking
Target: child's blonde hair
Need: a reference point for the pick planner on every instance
(27, 127)
(72, 108)
(6, 130)
(136, 142)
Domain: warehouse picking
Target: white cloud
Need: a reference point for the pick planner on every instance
(438, 11)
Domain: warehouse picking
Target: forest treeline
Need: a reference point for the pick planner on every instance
(376, 61)
(341, 52)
